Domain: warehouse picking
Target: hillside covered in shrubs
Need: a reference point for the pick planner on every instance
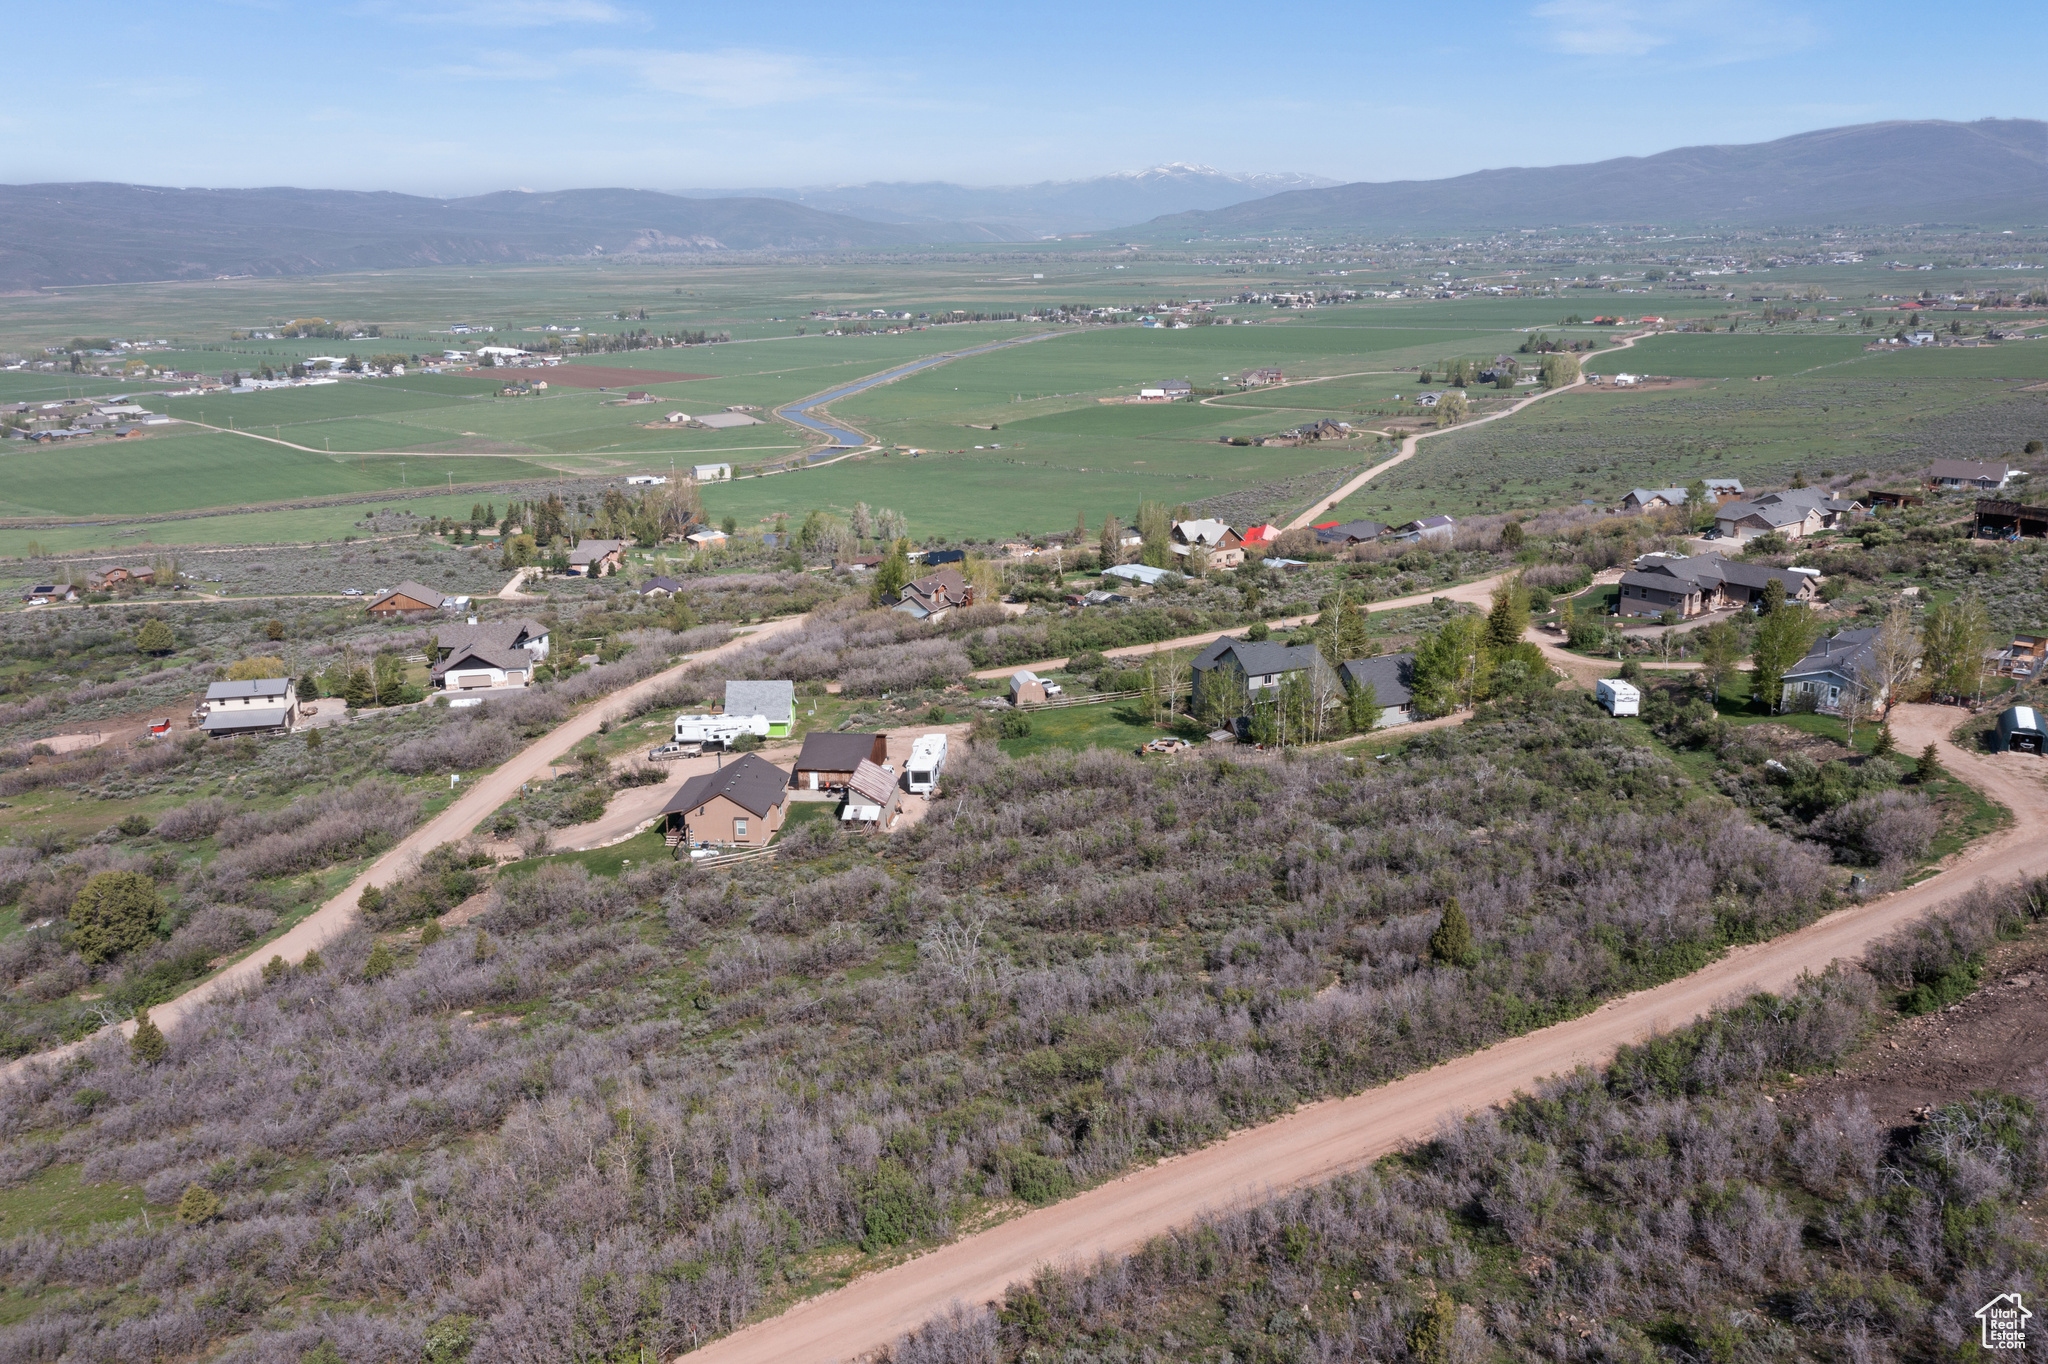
(620, 1114)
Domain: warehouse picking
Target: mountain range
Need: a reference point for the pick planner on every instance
(1022, 212)
(1993, 171)
(1990, 172)
(97, 233)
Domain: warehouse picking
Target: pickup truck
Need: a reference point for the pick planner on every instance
(670, 751)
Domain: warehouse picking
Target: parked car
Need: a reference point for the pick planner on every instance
(346, 591)
(669, 751)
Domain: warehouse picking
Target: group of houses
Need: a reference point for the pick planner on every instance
(743, 803)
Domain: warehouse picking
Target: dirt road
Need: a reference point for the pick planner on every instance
(1324, 1139)
(1408, 446)
(485, 795)
(1478, 592)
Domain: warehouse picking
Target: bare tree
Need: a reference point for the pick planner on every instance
(1894, 657)
(952, 944)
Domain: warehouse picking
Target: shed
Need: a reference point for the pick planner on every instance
(2019, 731)
(871, 796)
(1026, 687)
(828, 761)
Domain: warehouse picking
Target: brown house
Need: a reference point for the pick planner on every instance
(408, 598)
(934, 596)
(742, 805)
(596, 558)
(113, 577)
(828, 761)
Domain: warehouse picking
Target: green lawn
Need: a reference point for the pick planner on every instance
(642, 848)
(1726, 355)
(55, 1202)
(1106, 724)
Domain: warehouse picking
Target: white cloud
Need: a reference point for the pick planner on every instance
(510, 13)
(1680, 32)
(502, 66)
(732, 77)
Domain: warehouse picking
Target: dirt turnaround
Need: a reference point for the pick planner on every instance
(1321, 1140)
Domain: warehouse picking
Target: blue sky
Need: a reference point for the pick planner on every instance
(462, 96)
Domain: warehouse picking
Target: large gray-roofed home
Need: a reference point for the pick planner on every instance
(1982, 474)
(1792, 513)
(1705, 582)
(1392, 678)
(1243, 667)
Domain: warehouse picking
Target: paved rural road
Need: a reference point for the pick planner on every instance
(1324, 1139)
(1478, 592)
(485, 795)
(800, 412)
(1408, 446)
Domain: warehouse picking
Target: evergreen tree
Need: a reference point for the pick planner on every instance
(1435, 1328)
(1510, 615)
(147, 1046)
(380, 964)
(1512, 537)
(113, 913)
(1885, 743)
(312, 963)
(155, 638)
(1929, 767)
(198, 1204)
(484, 950)
(431, 934)
(275, 969)
(1364, 707)
(891, 575)
(1451, 944)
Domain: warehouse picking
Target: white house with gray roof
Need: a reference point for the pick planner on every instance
(260, 705)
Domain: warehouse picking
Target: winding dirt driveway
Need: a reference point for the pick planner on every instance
(1478, 592)
(1408, 446)
(1325, 1139)
(461, 818)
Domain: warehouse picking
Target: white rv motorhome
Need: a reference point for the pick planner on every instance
(718, 729)
(927, 760)
(1617, 697)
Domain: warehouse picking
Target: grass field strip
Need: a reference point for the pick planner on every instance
(799, 411)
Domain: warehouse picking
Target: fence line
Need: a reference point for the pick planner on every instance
(1093, 698)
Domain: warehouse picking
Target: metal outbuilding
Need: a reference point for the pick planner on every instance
(2019, 731)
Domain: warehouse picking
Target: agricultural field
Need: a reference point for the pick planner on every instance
(1049, 449)
(1596, 446)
